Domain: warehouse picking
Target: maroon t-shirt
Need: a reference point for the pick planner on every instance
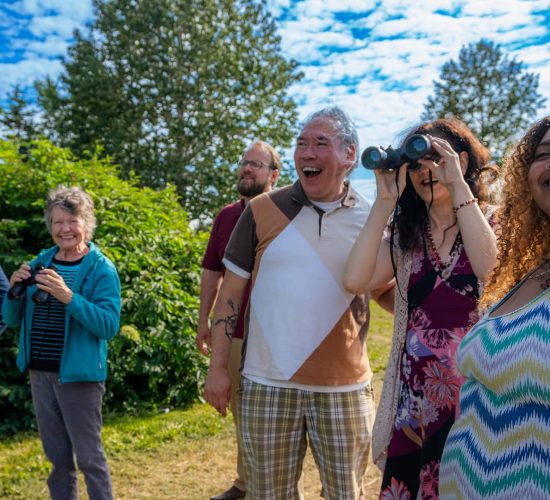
(222, 228)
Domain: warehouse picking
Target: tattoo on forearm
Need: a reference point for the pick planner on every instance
(230, 321)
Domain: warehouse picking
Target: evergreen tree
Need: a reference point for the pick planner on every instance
(18, 119)
(494, 95)
(173, 90)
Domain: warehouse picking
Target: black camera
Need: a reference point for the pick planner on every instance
(414, 148)
(17, 291)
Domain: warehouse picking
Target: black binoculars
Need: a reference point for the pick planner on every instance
(414, 148)
(17, 291)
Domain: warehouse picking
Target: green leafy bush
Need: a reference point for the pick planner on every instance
(147, 235)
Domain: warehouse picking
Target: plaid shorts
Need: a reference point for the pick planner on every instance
(275, 425)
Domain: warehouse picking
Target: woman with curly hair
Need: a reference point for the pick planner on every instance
(440, 247)
(500, 445)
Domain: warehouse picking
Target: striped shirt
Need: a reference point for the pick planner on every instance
(48, 323)
(499, 448)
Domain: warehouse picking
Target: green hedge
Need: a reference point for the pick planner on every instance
(147, 235)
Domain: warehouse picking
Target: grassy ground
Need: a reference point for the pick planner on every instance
(185, 454)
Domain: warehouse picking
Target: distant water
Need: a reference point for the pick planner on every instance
(367, 187)
(363, 181)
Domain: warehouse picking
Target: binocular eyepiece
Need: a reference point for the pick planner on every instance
(415, 147)
(17, 291)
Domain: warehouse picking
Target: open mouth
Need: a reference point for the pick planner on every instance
(427, 182)
(311, 172)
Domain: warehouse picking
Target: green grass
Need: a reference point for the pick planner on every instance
(143, 449)
(23, 466)
(379, 338)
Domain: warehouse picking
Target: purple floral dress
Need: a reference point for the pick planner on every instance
(442, 307)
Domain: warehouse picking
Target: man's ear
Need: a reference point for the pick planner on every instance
(351, 153)
(274, 176)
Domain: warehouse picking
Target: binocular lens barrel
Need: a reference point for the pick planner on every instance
(40, 297)
(17, 291)
(372, 157)
(417, 146)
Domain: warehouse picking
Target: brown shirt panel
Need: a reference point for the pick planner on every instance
(336, 359)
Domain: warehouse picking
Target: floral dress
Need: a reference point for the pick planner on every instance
(441, 308)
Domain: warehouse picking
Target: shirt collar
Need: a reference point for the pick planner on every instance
(298, 195)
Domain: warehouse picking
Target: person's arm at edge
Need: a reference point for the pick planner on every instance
(217, 388)
(210, 285)
(4, 287)
(369, 263)
(480, 241)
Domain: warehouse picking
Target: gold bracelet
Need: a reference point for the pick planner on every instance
(465, 204)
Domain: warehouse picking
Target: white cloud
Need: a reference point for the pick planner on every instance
(384, 79)
(52, 46)
(77, 10)
(378, 64)
(51, 25)
(26, 72)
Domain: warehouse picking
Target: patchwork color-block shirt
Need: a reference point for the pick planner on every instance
(303, 328)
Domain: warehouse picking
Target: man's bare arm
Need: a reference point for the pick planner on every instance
(217, 389)
(210, 284)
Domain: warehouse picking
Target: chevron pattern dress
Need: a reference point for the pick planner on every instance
(499, 448)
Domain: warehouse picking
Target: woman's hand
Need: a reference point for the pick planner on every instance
(448, 169)
(390, 183)
(23, 273)
(54, 284)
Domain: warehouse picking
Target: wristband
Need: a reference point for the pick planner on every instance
(465, 204)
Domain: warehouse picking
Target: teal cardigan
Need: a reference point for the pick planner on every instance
(92, 318)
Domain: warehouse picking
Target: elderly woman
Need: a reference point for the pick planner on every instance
(500, 445)
(63, 341)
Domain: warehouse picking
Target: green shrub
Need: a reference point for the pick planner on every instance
(147, 235)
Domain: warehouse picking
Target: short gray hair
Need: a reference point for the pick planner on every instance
(75, 201)
(343, 124)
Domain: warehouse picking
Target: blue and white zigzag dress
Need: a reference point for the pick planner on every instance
(499, 448)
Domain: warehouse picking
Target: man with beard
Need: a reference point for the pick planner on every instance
(258, 173)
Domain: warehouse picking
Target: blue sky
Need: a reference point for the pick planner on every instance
(376, 59)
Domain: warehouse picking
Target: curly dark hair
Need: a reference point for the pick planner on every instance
(411, 211)
(524, 231)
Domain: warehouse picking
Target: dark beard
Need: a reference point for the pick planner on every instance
(250, 190)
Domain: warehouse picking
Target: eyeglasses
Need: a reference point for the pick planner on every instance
(255, 164)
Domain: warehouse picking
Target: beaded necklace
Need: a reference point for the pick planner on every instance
(443, 268)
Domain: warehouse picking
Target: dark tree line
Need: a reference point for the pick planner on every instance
(173, 90)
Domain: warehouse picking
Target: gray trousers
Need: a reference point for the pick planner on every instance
(69, 422)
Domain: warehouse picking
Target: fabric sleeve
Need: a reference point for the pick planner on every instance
(4, 287)
(100, 313)
(241, 249)
(211, 259)
(235, 269)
